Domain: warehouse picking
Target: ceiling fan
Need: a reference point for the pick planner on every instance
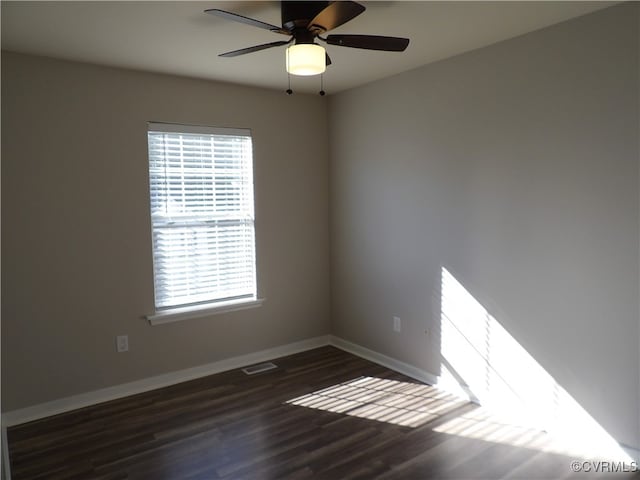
(304, 21)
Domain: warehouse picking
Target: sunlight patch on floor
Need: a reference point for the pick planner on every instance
(413, 405)
(400, 403)
(482, 425)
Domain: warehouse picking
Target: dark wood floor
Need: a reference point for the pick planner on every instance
(322, 414)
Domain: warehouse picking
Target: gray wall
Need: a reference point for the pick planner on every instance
(76, 249)
(515, 167)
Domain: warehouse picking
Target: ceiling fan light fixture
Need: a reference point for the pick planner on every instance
(305, 59)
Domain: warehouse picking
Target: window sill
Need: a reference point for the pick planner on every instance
(185, 313)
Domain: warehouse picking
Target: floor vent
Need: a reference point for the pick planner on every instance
(261, 367)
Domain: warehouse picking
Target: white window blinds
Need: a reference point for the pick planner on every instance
(202, 215)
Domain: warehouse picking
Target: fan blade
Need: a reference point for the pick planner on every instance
(328, 60)
(246, 20)
(334, 15)
(369, 42)
(255, 48)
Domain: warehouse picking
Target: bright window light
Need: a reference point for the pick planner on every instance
(202, 215)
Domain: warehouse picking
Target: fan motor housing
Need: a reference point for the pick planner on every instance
(299, 14)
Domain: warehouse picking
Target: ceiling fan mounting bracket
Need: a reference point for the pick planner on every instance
(302, 35)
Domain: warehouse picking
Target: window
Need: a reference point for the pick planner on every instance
(202, 217)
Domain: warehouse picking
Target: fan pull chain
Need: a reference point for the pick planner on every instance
(288, 91)
(322, 92)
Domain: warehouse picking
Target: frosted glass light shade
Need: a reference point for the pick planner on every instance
(305, 59)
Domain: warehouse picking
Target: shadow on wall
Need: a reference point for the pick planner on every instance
(481, 360)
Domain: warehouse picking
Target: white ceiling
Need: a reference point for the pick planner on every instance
(176, 37)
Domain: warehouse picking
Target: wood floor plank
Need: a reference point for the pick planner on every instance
(322, 414)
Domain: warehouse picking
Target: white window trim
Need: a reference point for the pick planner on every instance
(171, 315)
(198, 129)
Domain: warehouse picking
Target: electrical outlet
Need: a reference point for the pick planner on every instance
(122, 343)
(396, 324)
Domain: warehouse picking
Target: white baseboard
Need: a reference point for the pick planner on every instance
(55, 407)
(36, 412)
(389, 362)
